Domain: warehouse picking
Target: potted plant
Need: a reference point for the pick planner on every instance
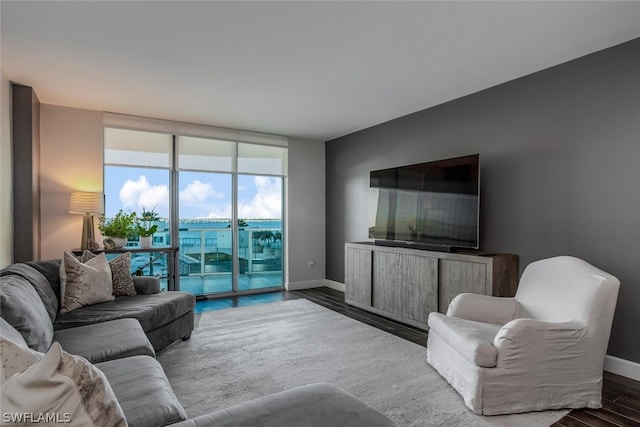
(145, 226)
(117, 230)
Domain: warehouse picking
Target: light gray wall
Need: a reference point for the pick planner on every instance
(560, 170)
(72, 160)
(306, 213)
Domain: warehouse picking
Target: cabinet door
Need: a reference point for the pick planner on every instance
(457, 277)
(358, 276)
(405, 285)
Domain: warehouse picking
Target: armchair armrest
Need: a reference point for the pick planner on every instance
(529, 342)
(146, 285)
(484, 308)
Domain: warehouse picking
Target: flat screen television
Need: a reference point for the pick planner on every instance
(434, 205)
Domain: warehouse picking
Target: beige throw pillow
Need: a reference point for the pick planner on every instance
(120, 273)
(85, 284)
(62, 388)
(16, 358)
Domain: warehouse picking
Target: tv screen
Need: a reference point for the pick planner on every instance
(434, 203)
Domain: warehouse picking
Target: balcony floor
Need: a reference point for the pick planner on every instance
(215, 283)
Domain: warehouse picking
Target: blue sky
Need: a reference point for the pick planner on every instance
(202, 195)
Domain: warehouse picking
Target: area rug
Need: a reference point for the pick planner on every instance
(243, 353)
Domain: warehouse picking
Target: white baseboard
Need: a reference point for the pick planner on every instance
(334, 285)
(623, 367)
(308, 284)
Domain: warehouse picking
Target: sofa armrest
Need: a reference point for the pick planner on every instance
(146, 285)
(484, 308)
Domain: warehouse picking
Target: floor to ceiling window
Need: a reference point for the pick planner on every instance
(227, 196)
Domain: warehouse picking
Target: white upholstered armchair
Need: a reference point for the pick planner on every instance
(542, 349)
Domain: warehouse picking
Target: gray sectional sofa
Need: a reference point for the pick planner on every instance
(121, 338)
(164, 316)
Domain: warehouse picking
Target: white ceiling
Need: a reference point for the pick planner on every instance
(315, 70)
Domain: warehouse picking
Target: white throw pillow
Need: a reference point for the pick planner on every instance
(84, 284)
(61, 388)
(16, 358)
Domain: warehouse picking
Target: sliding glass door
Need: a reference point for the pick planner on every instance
(231, 224)
(205, 232)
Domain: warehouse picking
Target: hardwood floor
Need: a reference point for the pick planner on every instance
(621, 395)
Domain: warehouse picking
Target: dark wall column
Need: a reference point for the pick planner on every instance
(26, 173)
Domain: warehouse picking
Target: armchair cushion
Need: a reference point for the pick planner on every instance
(473, 340)
(533, 342)
(485, 308)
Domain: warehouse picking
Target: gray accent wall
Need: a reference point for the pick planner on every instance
(560, 170)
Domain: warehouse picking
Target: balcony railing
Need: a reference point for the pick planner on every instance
(209, 251)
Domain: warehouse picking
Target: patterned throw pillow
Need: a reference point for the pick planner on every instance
(16, 357)
(120, 273)
(65, 387)
(85, 284)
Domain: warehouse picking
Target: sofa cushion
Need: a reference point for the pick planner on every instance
(22, 307)
(9, 332)
(65, 385)
(39, 283)
(121, 280)
(473, 340)
(51, 270)
(152, 311)
(143, 391)
(104, 341)
(314, 405)
(84, 283)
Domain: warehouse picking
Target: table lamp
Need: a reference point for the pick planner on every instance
(87, 204)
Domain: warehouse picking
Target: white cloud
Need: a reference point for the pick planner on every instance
(198, 192)
(135, 194)
(199, 196)
(267, 202)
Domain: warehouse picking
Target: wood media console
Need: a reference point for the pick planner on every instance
(407, 284)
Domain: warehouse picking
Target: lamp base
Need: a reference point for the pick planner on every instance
(88, 236)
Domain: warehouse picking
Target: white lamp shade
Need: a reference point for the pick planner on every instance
(86, 203)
